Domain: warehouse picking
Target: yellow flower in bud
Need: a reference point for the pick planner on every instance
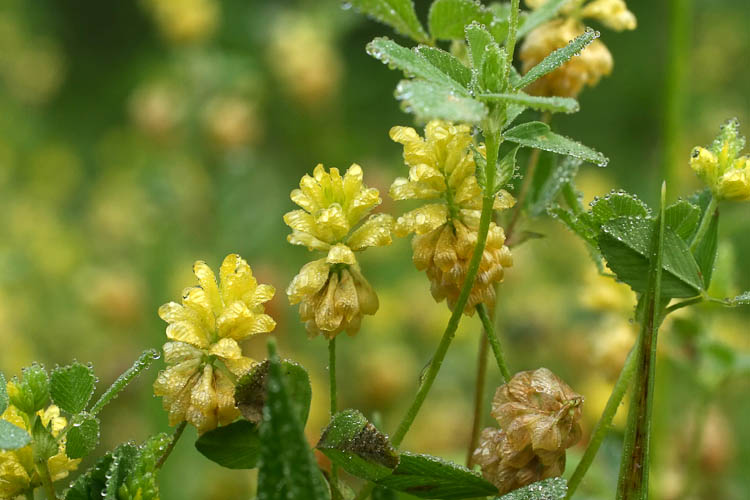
(442, 168)
(332, 291)
(17, 471)
(568, 80)
(720, 167)
(539, 416)
(203, 354)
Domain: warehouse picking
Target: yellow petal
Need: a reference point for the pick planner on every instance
(203, 402)
(331, 224)
(177, 352)
(327, 316)
(341, 254)
(240, 366)
(422, 220)
(303, 200)
(612, 13)
(236, 278)
(307, 240)
(238, 322)
(225, 408)
(14, 479)
(195, 299)
(184, 331)
(226, 348)
(308, 281)
(300, 221)
(366, 296)
(404, 189)
(207, 281)
(259, 296)
(375, 232)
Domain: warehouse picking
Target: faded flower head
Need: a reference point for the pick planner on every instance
(591, 64)
(203, 354)
(17, 471)
(539, 419)
(333, 293)
(442, 168)
(721, 167)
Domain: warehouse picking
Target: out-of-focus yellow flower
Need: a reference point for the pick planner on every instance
(332, 291)
(17, 471)
(311, 75)
(185, 21)
(203, 354)
(539, 418)
(721, 167)
(231, 121)
(442, 168)
(156, 108)
(591, 64)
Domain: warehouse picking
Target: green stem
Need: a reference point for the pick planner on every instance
(44, 475)
(480, 383)
(334, 405)
(29, 494)
(175, 437)
(684, 303)
(497, 348)
(708, 216)
(604, 424)
(492, 141)
(634, 469)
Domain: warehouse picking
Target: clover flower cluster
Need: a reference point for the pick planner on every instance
(592, 63)
(725, 172)
(539, 419)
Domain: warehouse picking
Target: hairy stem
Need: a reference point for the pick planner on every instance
(44, 475)
(334, 405)
(480, 383)
(604, 424)
(634, 469)
(497, 348)
(175, 437)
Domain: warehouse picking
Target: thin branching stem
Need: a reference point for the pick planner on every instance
(334, 404)
(476, 426)
(175, 437)
(497, 348)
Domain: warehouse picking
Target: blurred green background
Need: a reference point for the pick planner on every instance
(139, 136)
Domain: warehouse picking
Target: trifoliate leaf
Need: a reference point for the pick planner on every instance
(12, 437)
(478, 38)
(234, 446)
(558, 58)
(447, 18)
(429, 101)
(31, 393)
(551, 104)
(398, 14)
(425, 476)
(287, 467)
(446, 63)
(555, 488)
(72, 386)
(618, 204)
(83, 436)
(683, 217)
(352, 442)
(538, 135)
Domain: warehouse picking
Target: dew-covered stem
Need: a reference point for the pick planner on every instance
(143, 362)
(604, 424)
(175, 437)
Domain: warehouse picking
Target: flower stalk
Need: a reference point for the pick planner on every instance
(494, 341)
(334, 403)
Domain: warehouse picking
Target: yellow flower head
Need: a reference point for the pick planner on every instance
(333, 292)
(17, 471)
(442, 168)
(203, 354)
(539, 418)
(591, 64)
(720, 167)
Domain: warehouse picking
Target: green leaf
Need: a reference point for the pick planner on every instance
(44, 445)
(90, 485)
(251, 392)
(506, 169)
(551, 104)
(4, 401)
(618, 204)
(538, 135)
(707, 250)
(412, 64)
(683, 217)
(555, 488)
(144, 361)
(71, 387)
(492, 74)
(626, 244)
(383, 493)
(123, 461)
(578, 225)
(12, 437)
(287, 467)
(425, 476)
(549, 182)
(478, 39)
(446, 63)
(234, 446)
(31, 393)
(558, 57)
(539, 16)
(398, 14)
(82, 437)
(140, 482)
(447, 18)
(429, 101)
(352, 442)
